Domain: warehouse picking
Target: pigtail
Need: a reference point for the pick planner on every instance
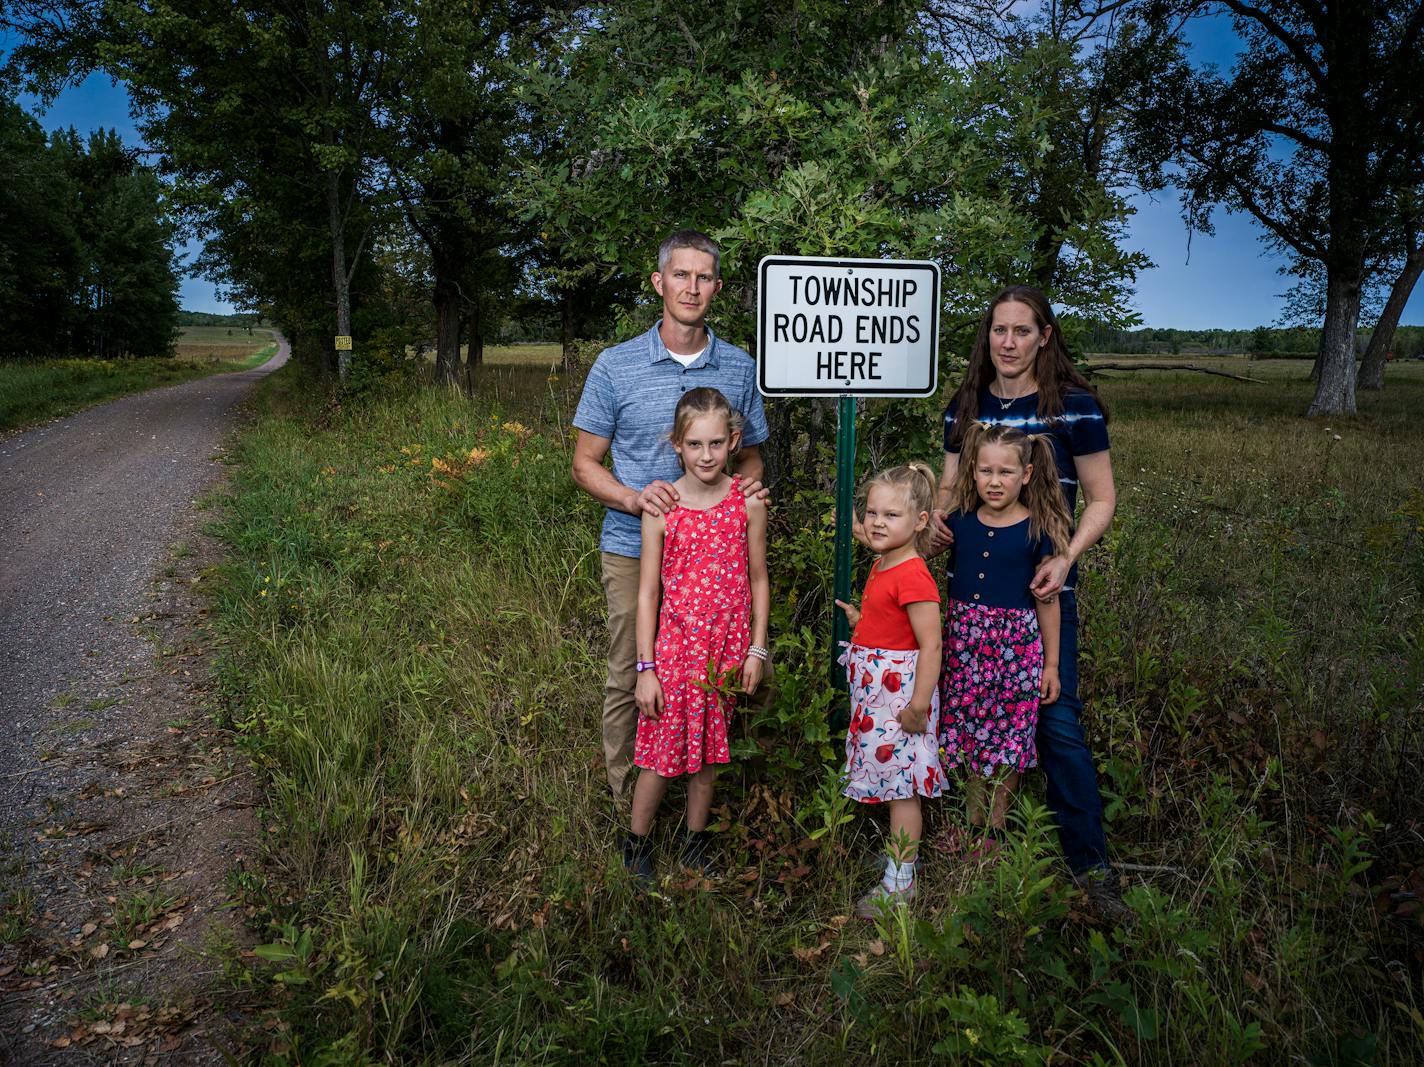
(1047, 512)
(965, 497)
(922, 498)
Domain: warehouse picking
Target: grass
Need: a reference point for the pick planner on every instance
(416, 629)
(32, 391)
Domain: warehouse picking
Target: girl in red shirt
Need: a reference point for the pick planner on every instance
(893, 662)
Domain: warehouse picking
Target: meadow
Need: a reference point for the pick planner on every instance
(413, 631)
(34, 390)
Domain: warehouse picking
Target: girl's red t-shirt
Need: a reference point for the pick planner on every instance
(884, 622)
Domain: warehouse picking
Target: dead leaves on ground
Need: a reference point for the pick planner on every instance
(126, 1025)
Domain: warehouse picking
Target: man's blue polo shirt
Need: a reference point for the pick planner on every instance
(629, 397)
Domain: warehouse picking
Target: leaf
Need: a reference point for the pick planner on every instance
(99, 951)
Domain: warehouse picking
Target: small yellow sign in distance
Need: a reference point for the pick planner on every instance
(343, 343)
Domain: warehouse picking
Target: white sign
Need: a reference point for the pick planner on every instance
(847, 327)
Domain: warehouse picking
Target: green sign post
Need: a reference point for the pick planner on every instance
(845, 541)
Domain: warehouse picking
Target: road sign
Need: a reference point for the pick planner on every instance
(847, 327)
(343, 342)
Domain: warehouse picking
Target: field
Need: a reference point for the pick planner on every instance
(414, 630)
(222, 343)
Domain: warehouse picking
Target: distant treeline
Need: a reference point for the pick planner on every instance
(1263, 342)
(86, 258)
(209, 318)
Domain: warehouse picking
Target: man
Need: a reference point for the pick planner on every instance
(627, 409)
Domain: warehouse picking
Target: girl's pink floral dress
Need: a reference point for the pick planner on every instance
(704, 619)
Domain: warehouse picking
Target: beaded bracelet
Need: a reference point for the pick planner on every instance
(757, 652)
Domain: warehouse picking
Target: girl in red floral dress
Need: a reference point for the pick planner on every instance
(706, 561)
(892, 747)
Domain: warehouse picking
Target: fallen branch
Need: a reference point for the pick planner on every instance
(1090, 368)
(1150, 868)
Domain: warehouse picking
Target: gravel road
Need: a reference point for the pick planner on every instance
(91, 507)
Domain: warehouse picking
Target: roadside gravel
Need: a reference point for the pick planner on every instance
(123, 808)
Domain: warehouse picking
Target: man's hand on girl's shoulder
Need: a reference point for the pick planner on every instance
(755, 490)
(656, 498)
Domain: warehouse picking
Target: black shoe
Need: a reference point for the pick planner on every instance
(696, 844)
(638, 859)
(1104, 893)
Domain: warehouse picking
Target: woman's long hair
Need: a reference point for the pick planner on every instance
(1053, 371)
(1047, 512)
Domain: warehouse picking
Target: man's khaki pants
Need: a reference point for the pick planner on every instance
(620, 711)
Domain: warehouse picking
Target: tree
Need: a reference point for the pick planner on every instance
(40, 250)
(86, 261)
(126, 294)
(1320, 118)
(1073, 76)
(1408, 242)
(261, 112)
(454, 130)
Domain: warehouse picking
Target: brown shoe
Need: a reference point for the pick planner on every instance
(1104, 893)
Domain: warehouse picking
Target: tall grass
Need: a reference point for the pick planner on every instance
(416, 664)
(34, 390)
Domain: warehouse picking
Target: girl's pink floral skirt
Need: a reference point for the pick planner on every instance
(993, 662)
(882, 761)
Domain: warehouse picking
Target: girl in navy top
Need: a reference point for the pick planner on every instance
(1000, 644)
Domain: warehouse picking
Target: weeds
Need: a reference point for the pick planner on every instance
(414, 605)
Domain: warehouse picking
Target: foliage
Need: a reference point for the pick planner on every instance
(86, 259)
(416, 664)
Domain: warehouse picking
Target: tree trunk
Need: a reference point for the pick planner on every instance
(447, 327)
(1382, 340)
(338, 266)
(1335, 388)
(776, 452)
(566, 327)
(476, 354)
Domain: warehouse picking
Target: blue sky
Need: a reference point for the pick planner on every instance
(1228, 280)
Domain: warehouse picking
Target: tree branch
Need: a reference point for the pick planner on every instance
(1292, 44)
(1091, 368)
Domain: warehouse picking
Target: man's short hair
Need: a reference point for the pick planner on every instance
(695, 239)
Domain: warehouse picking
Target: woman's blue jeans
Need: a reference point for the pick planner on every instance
(1066, 761)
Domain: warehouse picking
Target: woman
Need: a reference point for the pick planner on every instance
(1020, 374)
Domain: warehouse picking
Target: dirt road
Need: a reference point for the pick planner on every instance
(122, 808)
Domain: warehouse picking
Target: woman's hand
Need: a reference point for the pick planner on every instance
(941, 536)
(751, 674)
(1049, 578)
(649, 695)
(852, 613)
(914, 720)
(1049, 686)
